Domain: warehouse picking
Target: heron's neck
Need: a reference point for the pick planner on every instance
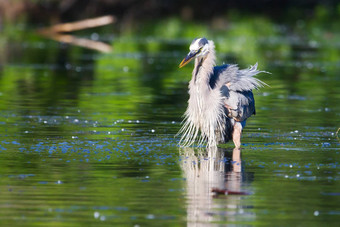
(204, 66)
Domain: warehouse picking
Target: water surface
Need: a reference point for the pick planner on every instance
(89, 138)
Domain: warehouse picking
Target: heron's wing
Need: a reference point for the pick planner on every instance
(235, 79)
(240, 105)
(236, 87)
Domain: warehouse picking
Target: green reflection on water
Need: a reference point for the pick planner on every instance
(88, 136)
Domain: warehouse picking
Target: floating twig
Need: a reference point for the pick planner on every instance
(87, 43)
(55, 32)
(82, 24)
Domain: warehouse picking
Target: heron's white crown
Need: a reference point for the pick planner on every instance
(199, 44)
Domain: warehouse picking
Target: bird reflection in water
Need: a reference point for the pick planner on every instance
(210, 172)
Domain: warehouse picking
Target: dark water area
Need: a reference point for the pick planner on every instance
(88, 138)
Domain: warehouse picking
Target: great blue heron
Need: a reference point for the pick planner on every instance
(221, 98)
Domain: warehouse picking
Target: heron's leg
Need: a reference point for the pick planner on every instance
(237, 160)
(237, 134)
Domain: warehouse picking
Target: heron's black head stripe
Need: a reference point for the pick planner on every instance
(202, 42)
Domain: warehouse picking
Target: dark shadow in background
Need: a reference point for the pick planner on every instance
(132, 11)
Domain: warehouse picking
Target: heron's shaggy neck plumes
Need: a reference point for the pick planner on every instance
(205, 111)
(204, 66)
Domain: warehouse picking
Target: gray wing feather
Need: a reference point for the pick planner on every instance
(238, 80)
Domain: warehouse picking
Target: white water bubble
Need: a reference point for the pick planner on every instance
(310, 65)
(68, 66)
(102, 218)
(313, 43)
(151, 61)
(94, 36)
(126, 69)
(150, 216)
(96, 214)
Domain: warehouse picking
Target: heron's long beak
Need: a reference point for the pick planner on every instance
(188, 58)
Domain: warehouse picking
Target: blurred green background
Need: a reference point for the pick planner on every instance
(88, 138)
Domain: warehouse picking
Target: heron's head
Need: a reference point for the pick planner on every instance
(198, 48)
